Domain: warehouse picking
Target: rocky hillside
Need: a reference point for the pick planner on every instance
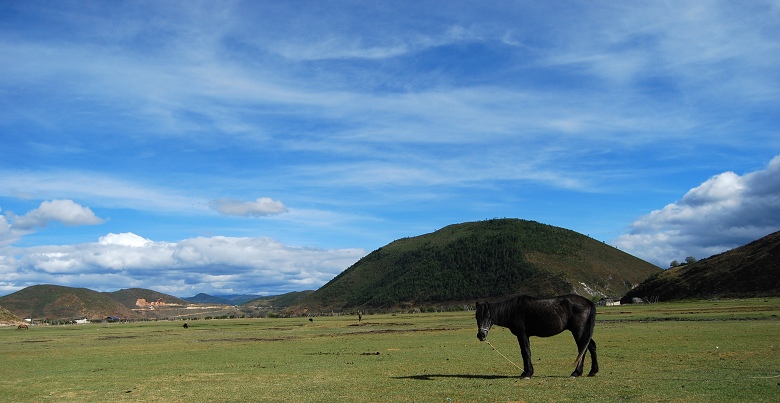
(487, 259)
(129, 296)
(752, 270)
(8, 318)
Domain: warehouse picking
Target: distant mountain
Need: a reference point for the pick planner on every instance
(752, 270)
(230, 299)
(129, 296)
(238, 299)
(279, 301)
(203, 298)
(487, 259)
(58, 302)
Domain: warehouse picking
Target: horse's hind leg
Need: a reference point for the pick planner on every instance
(594, 362)
(583, 343)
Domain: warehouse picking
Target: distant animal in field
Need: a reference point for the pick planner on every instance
(527, 316)
(22, 327)
(311, 320)
(185, 325)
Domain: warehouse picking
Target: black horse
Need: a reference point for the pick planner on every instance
(527, 316)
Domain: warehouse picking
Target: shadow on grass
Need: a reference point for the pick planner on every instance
(430, 377)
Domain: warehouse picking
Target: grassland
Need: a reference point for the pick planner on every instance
(694, 351)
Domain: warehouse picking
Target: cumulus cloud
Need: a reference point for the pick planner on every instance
(6, 235)
(13, 227)
(63, 211)
(213, 265)
(125, 239)
(726, 211)
(263, 206)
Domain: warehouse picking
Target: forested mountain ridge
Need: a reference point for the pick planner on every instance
(486, 259)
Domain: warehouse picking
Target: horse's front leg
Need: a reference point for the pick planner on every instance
(525, 351)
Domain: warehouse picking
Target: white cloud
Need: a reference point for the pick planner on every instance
(263, 206)
(124, 239)
(63, 211)
(66, 212)
(7, 236)
(726, 211)
(215, 264)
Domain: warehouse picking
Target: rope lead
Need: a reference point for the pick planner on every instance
(505, 357)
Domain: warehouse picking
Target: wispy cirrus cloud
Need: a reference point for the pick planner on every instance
(105, 190)
(346, 46)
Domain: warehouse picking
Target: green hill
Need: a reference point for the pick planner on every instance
(58, 302)
(129, 296)
(751, 270)
(487, 259)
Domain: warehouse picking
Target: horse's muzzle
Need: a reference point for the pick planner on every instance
(482, 334)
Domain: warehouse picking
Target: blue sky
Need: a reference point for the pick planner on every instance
(264, 147)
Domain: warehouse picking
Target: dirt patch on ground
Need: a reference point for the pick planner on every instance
(246, 339)
(294, 327)
(380, 331)
(114, 337)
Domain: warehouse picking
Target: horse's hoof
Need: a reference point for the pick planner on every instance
(526, 377)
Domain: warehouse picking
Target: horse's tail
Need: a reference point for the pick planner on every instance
(591, 326)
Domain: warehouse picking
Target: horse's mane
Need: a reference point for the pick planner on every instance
(505, 309)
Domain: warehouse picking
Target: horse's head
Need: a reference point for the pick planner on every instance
(484, 320)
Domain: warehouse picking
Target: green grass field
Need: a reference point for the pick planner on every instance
(695, 351)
